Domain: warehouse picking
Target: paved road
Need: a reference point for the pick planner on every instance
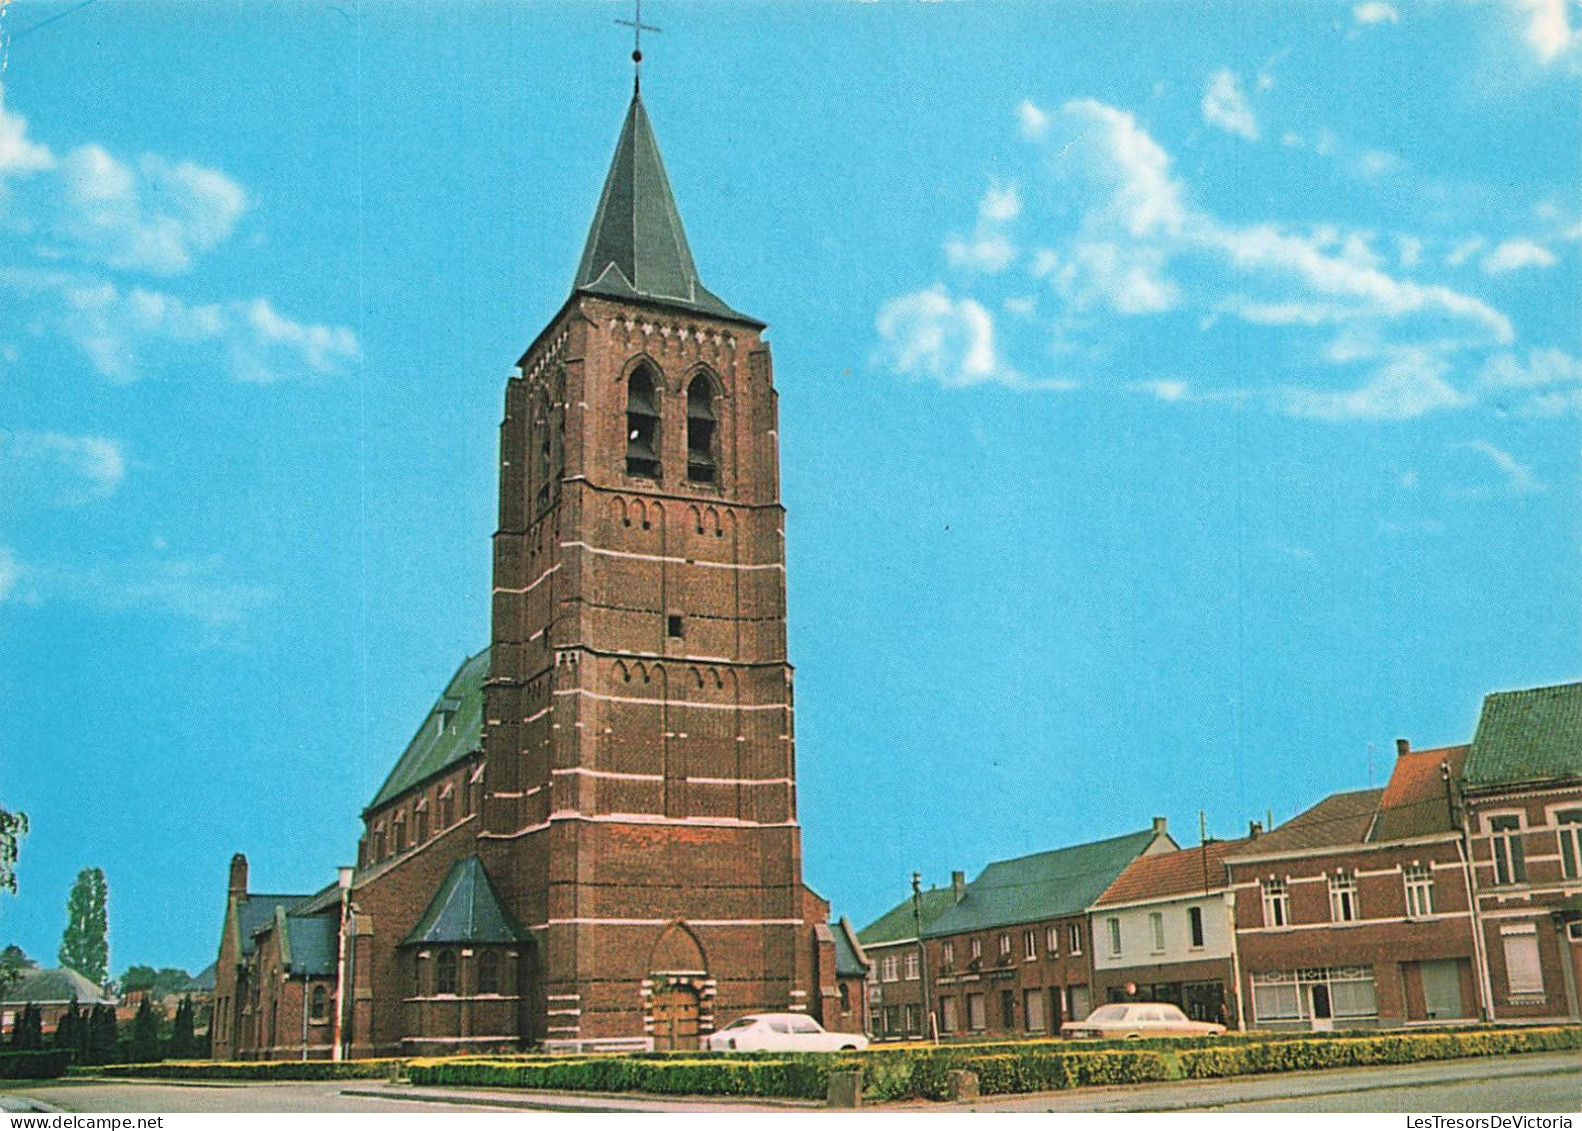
(1550, 1082)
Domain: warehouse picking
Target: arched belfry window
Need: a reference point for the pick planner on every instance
(702, 426)
(642, 424)
(545, 467)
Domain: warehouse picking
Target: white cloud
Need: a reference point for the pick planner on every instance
(1519, 478)
(1169, 391)
(1034, 121)
(10, 573)
(1465, 250)
(1543, 367)
(1125, 278)
(1514, 255)
(1409, 384)
(988, 251)
(1115, 155)
(159, 217)
(1375, 12)
(930, 334)
(18, 155)
(1546, 28)
(1000, 204)
(1224, 105)
(56, 469)
(121, 333)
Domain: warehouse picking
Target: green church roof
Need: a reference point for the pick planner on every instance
(637, 248)
(1527, 736)
(466, 909)
(437, 746)
(1045, 885)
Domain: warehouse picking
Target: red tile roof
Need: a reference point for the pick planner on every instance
(1339, 819)
(1415, 802)
(1166, 874)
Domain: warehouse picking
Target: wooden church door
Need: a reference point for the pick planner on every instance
(676, 1018)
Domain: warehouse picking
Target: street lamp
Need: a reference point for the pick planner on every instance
(922, 951)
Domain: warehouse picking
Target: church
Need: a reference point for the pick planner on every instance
(592, 840)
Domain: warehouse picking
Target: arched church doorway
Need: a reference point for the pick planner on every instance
(676, 1018)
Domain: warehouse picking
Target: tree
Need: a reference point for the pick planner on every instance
(144, 1047)
(28, 1032)
(101, 1035)
(13, 827)
(85, 945)
(183, 1044)
(13, 962)
(71, 1031)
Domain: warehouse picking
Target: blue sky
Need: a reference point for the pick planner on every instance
(1179, 402)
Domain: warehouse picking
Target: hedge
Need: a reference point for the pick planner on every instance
(791, 1078)
(1396, 1048)
(926, 1075)
(255, 1069)
(30, 1064)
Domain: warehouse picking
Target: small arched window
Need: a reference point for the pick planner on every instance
(489, 972)
(701, 428)
(321, 1002)
(445, 980)
(642, 424)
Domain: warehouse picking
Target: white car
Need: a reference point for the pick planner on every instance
(781, 1032)
(1139, 1019)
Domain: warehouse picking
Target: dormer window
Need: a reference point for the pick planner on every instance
(701, 428)
(642, 425)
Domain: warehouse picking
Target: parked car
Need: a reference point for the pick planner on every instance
(1139, 1019)
(781, 1032)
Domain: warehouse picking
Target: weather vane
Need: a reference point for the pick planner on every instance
(638, 27)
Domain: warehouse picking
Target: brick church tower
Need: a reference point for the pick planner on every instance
(639, 812)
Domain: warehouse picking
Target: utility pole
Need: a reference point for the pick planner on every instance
(922, 952)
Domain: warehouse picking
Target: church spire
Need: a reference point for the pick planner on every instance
(637, 248)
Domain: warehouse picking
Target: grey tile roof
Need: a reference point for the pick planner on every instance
(466, 909)
(898, 924)
(313, 944)
(57, 985)
(433, 748)
(848, 963)
(637, 248)
(256, 912)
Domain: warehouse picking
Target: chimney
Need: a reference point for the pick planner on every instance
(1160, 828)
(1402, 748)
(1254, 830)
(958, 885)
(239, 874)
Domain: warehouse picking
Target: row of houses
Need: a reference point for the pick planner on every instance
(1452, 894)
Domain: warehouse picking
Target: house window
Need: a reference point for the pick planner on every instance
(1343, 897)
(1008, 1010)
(700, 431)
(911, 966)
(977, 948)
(1156, 930)
(948, 955)
(1005, 946)
(977, 1016)
(1276, 903)
(909, 1018)
(1033, 1010)
(1195, 926)
(642, 425)
(422, 826)
(1051, 941)
(890, 969)
(400, 834)
(947, 1014)
(673, 627)
(1074, 938)
(845, 997)
(445, 979)
(1419, 890)
(447, 810)
(320, 1003)
(379, 843)
(1510, 864)
(1523, 974)
(1570, 822)
(489, 972)
(1030, 945)
(1113, 925)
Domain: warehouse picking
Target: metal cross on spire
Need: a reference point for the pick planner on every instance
(638, 27)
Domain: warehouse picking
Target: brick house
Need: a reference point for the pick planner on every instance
(1166, 926)
(52, 991)
(592, 841)
(1357, 912)
(1013, 955)
(1522, 790)
(896, 1010)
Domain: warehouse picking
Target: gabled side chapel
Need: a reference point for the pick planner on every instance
(592, 841)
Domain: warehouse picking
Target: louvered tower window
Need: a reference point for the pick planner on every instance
(642, 425)
(701, 427)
